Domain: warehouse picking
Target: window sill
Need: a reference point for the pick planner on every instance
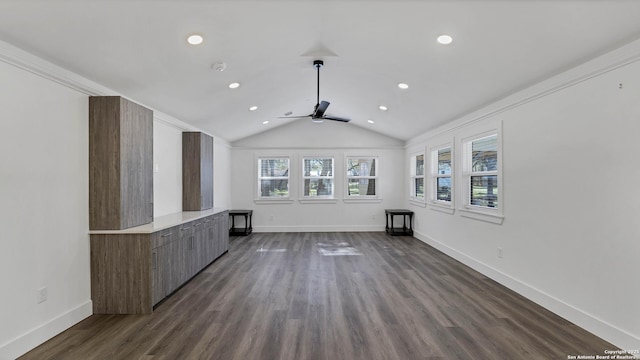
(420, 203)
(363, 200)
(318, 201)
(442, 207)
(491, 217)
(272, 201)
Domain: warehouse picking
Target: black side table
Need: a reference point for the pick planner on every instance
(404, 230)
(247, 222)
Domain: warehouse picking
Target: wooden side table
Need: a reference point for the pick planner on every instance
(247, 222)
(404, 230)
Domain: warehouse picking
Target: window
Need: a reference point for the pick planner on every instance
(441, 172)
(362, 176)
(317, 177)
(417, 177)
(273, 178)
(481, 172)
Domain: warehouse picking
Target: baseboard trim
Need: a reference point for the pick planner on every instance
(34, 337)
(318, 228)
(598, 327)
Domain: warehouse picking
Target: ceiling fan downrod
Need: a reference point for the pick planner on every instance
(318, 64)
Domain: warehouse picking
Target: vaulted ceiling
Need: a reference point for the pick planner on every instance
(139, 49)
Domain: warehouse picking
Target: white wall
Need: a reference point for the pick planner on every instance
(44, 210)
(221, 174)
(302, 138)
(570, 235)
(167, 162)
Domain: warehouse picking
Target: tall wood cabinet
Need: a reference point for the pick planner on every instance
(120, 163)
(197, 171)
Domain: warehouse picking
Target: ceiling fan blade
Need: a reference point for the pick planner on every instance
(320, 109)
(335, 118)
(295, 116)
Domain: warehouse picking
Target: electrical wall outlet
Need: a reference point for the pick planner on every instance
(500, 252)
(41, 295)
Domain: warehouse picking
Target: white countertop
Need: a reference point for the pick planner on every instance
(163, 222)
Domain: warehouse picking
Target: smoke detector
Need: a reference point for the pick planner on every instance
(219, 66)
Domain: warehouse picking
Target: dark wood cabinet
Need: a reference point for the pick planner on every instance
(131, 272)
(160, 270)
(197, 171)
(120, 163)
(162, 262)
(223, 232)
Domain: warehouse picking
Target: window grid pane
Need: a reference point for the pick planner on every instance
(484, 191)
(362, 187)
(361, 167)
(419, 187)
(274, 167)
(318, 187)
(419, 165)
(274, 188)
(443, 189)
(320, 167)
(444, 161)
(484, 154)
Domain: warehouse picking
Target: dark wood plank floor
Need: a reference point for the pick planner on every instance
(331, 296)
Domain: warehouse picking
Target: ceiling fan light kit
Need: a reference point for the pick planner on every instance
(318, 115)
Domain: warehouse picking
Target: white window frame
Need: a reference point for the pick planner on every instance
(332, 177)
(490, 214)
(376, 177)
(434, 175)
(271, 199)
(413, 198)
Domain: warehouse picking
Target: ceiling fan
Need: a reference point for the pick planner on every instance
(318, 115)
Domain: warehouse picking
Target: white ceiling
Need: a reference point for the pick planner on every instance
(138, 48)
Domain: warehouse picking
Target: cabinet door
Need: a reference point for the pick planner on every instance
(160, 272)
(206, 172)
(181, 253)
(215, 237)
(223, 232)
(198, 247)
(136, 162)
(209, 246)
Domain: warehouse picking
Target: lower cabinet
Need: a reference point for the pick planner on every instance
(130, 273)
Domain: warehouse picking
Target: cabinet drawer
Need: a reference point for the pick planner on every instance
(164, 237)
(186, 229)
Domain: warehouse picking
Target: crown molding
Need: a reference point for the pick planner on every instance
(612, 60)
(26, 61)
(19, 58)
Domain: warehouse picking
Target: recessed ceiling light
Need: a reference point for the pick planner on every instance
(371, 121)
(195, 39)
(383, 108)
(445, 39)
(253, 108)
(265, 122)
(403, 86)
(234, 85)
